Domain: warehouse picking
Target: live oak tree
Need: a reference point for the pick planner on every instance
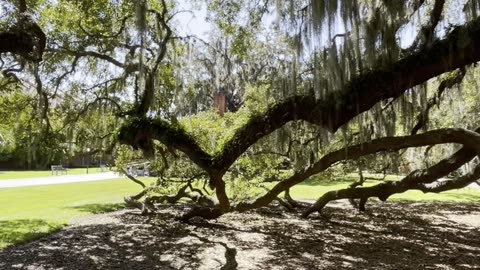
(346, 75)
(348, 81)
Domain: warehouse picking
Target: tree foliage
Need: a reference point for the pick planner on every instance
(308, 84)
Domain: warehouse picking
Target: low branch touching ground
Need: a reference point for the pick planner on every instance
(469, 138)
(441, 186)
(415, 180)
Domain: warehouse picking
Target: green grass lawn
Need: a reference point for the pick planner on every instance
(29, 212)
(7, 175)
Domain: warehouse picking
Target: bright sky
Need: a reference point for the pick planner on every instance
(192, 22)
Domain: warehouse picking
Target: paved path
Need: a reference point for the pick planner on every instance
(59, 179)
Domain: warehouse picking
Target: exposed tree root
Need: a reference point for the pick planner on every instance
(285, 204)
(203, 212)
(148, 205)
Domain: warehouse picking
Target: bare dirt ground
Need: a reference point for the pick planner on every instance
(387, 236)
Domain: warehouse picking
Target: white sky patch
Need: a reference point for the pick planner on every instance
(191, 20)
(453, 15)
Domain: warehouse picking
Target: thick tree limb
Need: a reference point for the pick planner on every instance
(361, 93)
(422, 182)
(139, 131)
(415, 180)
(441, 186)
(336, 109)
(468, 138)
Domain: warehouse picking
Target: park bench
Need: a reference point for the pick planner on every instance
(58, 169)
(103, 168)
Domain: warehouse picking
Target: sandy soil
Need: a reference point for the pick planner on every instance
(387, 236)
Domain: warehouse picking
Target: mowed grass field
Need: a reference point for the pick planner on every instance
(31, 212)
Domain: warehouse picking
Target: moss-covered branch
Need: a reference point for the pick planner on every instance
(441, 186)
(460, 48)
(139, 133)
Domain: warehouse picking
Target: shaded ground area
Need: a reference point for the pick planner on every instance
(388, 236)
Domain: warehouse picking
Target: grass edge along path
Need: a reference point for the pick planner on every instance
(13, 175)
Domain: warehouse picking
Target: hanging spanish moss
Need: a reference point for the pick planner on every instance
(141, 24)
(472, 9)
(346, 38)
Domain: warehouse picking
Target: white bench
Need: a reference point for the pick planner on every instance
(58, 169)
(103, 168)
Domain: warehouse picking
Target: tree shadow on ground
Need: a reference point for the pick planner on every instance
(98, 208)
(23, 230)
(388, 236)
